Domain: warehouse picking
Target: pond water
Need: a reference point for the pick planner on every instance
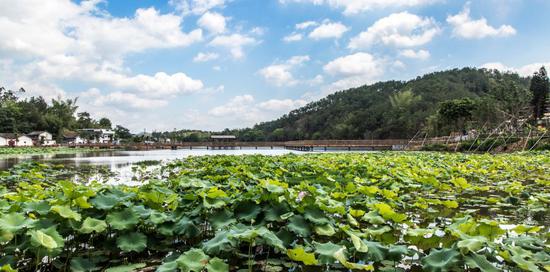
(116, 159)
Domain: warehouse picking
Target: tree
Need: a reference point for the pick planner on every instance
(539, 88)
(122, 133)
(457, 111)
(105, 123)
(85, 120)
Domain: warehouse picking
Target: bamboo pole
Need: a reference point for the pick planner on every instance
(537, 142)
(528, 137)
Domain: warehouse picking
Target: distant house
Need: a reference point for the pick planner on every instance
(42, 138)
(97, 135)
(7, 139)
(72, 137)
(24, 141)
(223, 138)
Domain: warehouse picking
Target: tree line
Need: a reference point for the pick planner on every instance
(23, 115)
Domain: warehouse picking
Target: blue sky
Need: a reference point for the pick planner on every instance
(212, 64)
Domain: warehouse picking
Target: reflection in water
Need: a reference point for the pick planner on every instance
(121, 163)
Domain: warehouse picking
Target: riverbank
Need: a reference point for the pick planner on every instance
(7, 152)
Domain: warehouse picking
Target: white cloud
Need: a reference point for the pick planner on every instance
(525, 70)
(121, 99)
(204, 57)
(412, 54)
(234, 43)
(196, 7)
(465, 27)
(294, 37)
(399, 29)
(281, 74)
(354, 70)
(352, 7)
(213, 22)
(305, 25)
(243, 110)
(282, 104)
(328, 30)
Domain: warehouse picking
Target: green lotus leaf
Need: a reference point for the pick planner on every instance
(157, 217)
(298, 225)
(373, 218)
(122, 220)
(66, 212)
(441, 260)
(14, 222)
(80, 264)
(7, 268)
(523, 258)
(186, 227)
(479, 261)
(247, 211)
(377, 252)
(220, 243)
(133, 241)
(326, 252)
(40, 207)
(168, 267)
(105, 202)
(396, 253)
(359, 245)
(47, 238)
(217, 265)
(141, 211)
(472, 244)
(300, 255)
(276, 212)
(340, 255)
(90, 225)
(221, 219)
(316, 216)
(193, 260)
(6, 236)
(325, 230)
(126, 268)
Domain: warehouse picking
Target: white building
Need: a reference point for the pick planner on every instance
(42, 138)
(23, 141)
(97, 135)
(6, 139)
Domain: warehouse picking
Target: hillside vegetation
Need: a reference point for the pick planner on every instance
(438, 103)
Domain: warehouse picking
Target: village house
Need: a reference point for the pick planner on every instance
(7, 139)
(97, 135)
(24, 140)
(42, 138)
(72, 138)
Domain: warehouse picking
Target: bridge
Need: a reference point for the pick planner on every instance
(306, 145)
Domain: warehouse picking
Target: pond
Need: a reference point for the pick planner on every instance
(117, 159)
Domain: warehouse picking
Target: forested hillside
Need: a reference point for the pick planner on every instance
(437, 103)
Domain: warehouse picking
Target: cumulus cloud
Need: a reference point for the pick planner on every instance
(281, 74)
(412, 54)
(196, 7)
(294, 37)
(352, 7)
(213, 22)
(354, 70)
(525, 70)
(130, 100)
(244, 110)
(305, 25)
(399, 29)
(328, 30)
(52, 42)
(204, 57)
(466, 27)
(234, 43)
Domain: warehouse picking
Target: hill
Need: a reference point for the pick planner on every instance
(437, 103)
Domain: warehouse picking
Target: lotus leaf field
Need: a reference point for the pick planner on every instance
(317, 212)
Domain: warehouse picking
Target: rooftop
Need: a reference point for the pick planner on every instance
(223, 137)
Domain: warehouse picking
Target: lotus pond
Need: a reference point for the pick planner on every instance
(318, 212)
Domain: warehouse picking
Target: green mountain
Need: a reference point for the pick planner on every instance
(437, 103)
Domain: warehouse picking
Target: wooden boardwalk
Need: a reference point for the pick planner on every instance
(309, 145)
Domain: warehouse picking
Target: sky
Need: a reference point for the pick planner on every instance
(215, 64)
